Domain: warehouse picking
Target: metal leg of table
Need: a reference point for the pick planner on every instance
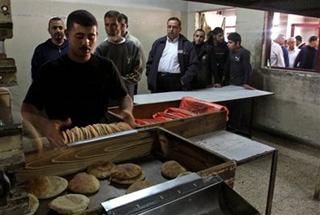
(316, 195)
(272, 181)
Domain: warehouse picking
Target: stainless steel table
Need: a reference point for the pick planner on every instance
(242, 150)
(227, 93)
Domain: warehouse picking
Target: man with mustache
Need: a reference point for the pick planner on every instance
(173, 63)
(51, 49)
(124, 53)
(74, 89)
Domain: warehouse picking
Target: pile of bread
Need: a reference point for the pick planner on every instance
(86, 183)
(92, 131)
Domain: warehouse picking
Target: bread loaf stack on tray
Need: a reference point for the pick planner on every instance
(91, 131)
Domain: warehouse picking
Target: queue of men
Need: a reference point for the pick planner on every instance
(293, 53)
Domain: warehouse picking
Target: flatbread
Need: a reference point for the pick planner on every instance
(126, 171)
(139, 185)
(33, 204)
(84, 183)
(70, 204)
(171, 169)
(128, 181)
(44, 187)
(101, 169)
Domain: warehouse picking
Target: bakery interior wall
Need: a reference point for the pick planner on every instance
(293, 111)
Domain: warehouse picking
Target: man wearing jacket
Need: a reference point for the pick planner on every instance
(172, 62)
(51, 49)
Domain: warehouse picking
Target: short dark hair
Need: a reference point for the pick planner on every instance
(55, 18)
(175, 19)
(199, 29)
(217, 30)
(113, 13)
(81, 17)
(235, 37)
(313, 38)
(299, 38)
(124, 17)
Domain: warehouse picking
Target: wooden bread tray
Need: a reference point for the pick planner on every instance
(147, 147)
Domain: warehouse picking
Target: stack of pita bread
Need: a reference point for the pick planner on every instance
(171, 169)
(92, 131)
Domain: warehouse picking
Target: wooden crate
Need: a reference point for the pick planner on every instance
(8, 72)
(186, 127)
(137, 148)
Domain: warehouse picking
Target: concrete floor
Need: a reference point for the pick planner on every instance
(295, 181)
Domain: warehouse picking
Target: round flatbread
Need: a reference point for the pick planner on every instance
(171, 169)
(84, 183)
(44, 187)
(101, 169)
(70, 204)
(128, 181)
(139, 185)
(126, 171)
(33, 204)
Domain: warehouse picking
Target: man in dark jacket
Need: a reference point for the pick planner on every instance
(53, 48)
(206, 58)
(172, 62)
(307, 57)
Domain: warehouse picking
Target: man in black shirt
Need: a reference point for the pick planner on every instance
(206, 58)
(74, 90)
(237, 72)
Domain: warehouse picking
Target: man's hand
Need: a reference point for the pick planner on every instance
(128, 117)
(52, 130)
(248, 87)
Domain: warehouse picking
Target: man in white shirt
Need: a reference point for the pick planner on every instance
(173, 63)
(292, 50)
(276, 55)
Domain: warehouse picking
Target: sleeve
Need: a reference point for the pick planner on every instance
(35, 64)
(298, 60)
(116, 88)
(247, 69)
(150, 58)
(280, 57)
(36, 92)
(226, 72)
(136, 67)
(192, 67)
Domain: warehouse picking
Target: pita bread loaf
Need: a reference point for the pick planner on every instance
(171, 169)
(127, 174)
(44, 187)
(33, 204)
(101, 169)
(139, 185)
(84, 183)
(70, 204)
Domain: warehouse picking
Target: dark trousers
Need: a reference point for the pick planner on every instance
(167, 82)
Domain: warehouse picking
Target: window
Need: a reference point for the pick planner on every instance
(281, 31)
(225, 19)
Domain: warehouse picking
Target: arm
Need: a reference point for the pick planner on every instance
(126, 107)
(35, 64)
(298, 60)
(48, 128)
(192, 67)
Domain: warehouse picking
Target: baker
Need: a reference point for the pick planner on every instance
(74, 89)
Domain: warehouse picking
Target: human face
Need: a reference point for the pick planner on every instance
(82, 41)
(112, 26)
(198, 37)
(314, 44)
(56, 30)
(124, 27)
(173, 29)
(220, 38)
(233, 45)
(291, 44)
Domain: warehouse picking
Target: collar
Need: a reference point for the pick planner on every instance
(174, 40)
(109, 39)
